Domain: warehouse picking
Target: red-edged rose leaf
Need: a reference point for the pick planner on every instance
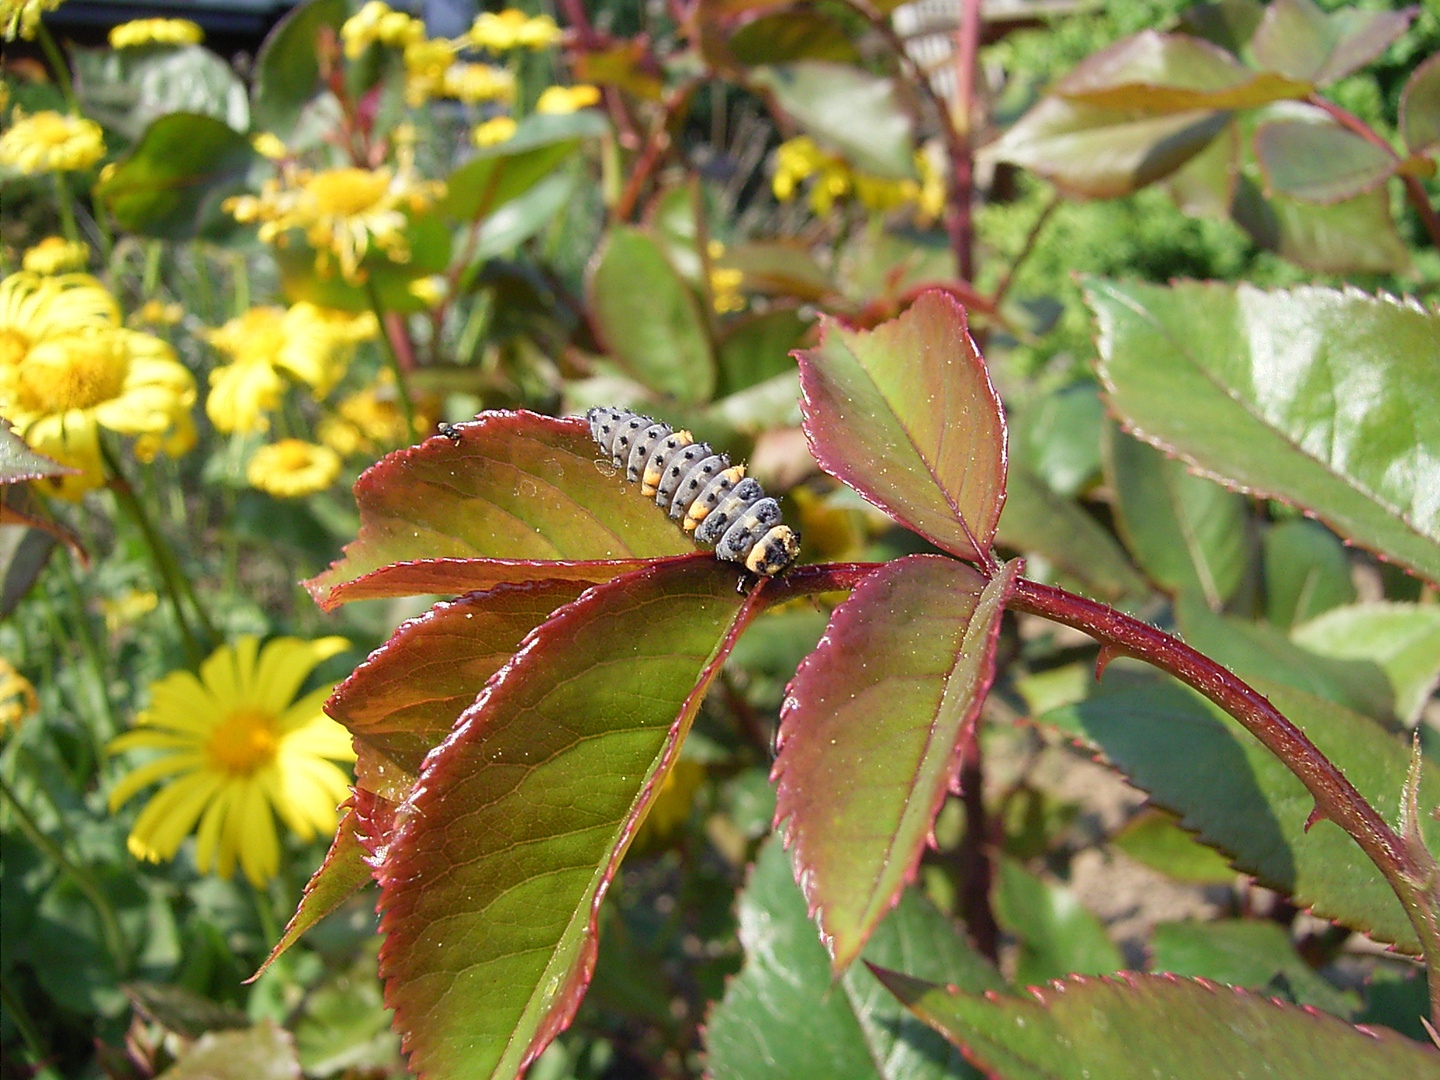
(500, 856)
(871, 732)
(404, 699)
(337, 879)
(374, 824)
(1320, 397)
(443, 577)
(1138, 1027)
(1154, 73)
(1420, 107)
(1320, 162)
(512, 486)
(1099, 152)
(906, 415)
(1298, 39)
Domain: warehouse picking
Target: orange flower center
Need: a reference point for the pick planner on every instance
(244, 741)
(77, 371)
(346, 192)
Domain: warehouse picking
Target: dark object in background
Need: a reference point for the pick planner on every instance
(230, 25)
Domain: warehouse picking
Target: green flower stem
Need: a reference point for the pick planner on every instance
(177, 584)
(393, 359)
(84, 770)
(230, 572)
(94, 660)
(240, 279)
(29, 1034)
(109, 924)
(150, 273)
(67, 211)
(265, 912)
(59, 65)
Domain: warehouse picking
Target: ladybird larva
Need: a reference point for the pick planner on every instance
(712, 498)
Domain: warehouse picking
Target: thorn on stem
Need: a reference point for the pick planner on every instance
(1107, 653)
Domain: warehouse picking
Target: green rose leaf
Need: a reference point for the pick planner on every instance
(1315, 396)
(1154, 1025)
(511, 497)
(496, 174)
(1188, 533)
(847, 110)
(1297, 39)
(1236, 796)
(1056, 935)
(1420, 107)
(871, 734)
(649, 319)
(1320, 162)
(172, 183)
(499, 858)
(287, 68)
(784, 1017)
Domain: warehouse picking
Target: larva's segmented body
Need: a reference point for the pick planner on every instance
(712, 498)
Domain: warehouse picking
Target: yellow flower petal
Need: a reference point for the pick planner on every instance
(287, 662)
(252, 830)
(147, 774)
(237, 753)
(210, 843)
(170, 815)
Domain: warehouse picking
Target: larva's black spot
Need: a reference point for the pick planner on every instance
(715, 499)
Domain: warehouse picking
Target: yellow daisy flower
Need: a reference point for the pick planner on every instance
(156, 313)
(567, 99)
(493, 132)
(23, 16)
(56, 255)
(68, 368)
(308, 343)
(237, 750)
(34, 308)
(291, 468)
(472, 83)
(51, 142)
(426, 62)
(378, 23)
(369, 421)
(17, 696)
(342, 211)
(155, 32)
(513, 29)
(241, 394)
(268, 144)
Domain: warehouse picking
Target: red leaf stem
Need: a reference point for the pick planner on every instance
(1335, 797)
(1414, 190)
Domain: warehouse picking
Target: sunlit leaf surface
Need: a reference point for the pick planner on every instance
(906, 415)
(1236, 796)
(498, 859)
(871, 734)
(511, 486)
(1320, 397)
(1140, 1027)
